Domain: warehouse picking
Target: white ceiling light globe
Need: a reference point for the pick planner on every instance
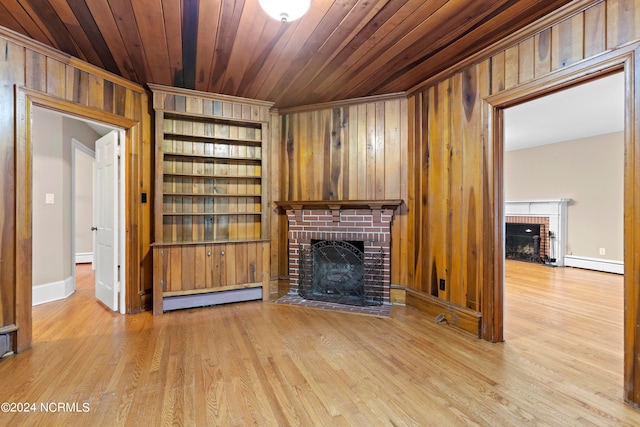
(285, 10)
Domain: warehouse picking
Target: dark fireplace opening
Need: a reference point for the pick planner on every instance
(522, 242)
(341, 272)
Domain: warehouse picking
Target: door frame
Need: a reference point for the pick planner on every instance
(26, 100)
(626, 60)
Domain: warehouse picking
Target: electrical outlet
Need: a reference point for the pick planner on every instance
(442, 284)
(602, 251)
(49, 198)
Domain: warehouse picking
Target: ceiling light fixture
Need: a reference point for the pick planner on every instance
(285, 10)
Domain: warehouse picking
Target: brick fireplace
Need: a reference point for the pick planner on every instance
(363, 223)
(551, 215)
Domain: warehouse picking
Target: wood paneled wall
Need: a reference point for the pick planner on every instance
(32, 74)
(350, 151)
(454, 159)
(458, 154)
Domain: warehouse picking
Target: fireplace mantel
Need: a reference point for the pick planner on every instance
(339, 204)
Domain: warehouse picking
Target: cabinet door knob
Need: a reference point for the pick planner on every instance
(209, 253)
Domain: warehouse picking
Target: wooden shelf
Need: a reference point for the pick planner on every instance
(211, 118)
(210, 213)
(209, 157)
(213, 157)
(211, 195)
(213, 139)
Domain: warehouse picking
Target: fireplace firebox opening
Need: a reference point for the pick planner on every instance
(340, 272)
(523, 242)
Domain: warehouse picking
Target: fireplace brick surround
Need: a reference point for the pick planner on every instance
(348, 220)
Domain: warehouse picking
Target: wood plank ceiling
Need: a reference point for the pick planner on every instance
(340, 49)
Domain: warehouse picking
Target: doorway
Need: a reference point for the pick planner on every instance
(59, 142)
(563, 167)
(577, 159)
(625, 60)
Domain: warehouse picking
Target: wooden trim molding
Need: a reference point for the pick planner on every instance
(342, 103)
(339, 204)
(208, 95)
(461, 317)
(23, 164)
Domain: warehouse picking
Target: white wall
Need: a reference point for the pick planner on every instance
(48, 223)
(587, 170)
(52, 254)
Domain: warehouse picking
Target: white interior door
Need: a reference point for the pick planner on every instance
(106, 214)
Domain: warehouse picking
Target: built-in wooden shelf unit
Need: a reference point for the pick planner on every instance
(210, 209)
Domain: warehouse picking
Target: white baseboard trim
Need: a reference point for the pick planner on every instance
(84, 257)
(605, 265)
(53, 291)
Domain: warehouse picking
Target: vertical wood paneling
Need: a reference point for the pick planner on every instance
(623, 22)
(392, 150)
(353, 152)
(403, 226)
(362, 150)
(511, 60)
(56, 85)
(36, 71)
(567, 41)
(458, 108)
(96, 92)
(542, 56)
(595, 30)
(498, 72)
(436, 190)
(526, 60)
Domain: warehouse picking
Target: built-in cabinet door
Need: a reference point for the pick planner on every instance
(198, 268)
(214, 266)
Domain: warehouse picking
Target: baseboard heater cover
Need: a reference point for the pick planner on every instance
(5, 345)
(211, 298)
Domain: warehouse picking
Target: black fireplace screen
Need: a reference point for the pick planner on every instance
(523, 242)
(341, 272)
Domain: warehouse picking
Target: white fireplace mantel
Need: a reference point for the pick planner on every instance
(556, 211)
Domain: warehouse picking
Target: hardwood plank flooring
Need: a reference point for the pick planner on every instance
(262, 363)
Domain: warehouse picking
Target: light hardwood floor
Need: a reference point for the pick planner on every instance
(269, 364)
